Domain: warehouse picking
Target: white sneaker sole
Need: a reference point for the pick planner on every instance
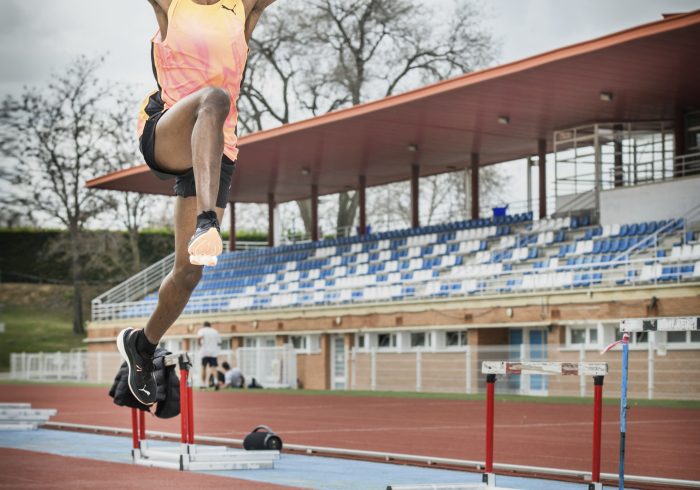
(205, 248)
(122, 351)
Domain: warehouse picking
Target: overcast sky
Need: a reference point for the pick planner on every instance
(41, 36)
(38, 36)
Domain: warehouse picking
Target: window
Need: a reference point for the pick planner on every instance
(420, 339)
(360, 341)
(456, 338)
(636, 338)
(306, 344)
(386, 340)
(299, 342)
(578, 335)
(249, 342)
(683, 337)
(587, 336)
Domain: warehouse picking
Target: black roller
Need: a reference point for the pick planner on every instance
(262, 438)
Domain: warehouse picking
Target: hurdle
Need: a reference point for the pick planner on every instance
(188, 456)
(21, 416)
(632, 325)
(596, 369)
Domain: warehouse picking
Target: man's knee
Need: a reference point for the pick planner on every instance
(215, 101)
(187, 277)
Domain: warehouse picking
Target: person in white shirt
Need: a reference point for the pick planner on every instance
(209, 347)
(231, 377)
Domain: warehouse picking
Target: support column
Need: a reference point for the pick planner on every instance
(619, 176)
(679, 148)
(314, 212)
(271, 220)
(474, 163)
(415, 217)
(529, 184)
(542, 167)
(232, 227)
(361, 188)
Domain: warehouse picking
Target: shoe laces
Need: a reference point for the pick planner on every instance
(208, 218)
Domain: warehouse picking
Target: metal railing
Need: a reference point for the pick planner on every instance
(654, 368)
(148, 280)
(654, 365)
(138, 285)
(272, 367)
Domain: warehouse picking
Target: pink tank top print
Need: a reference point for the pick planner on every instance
(205, 46)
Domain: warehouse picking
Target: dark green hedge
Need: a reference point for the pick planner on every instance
(24, 254)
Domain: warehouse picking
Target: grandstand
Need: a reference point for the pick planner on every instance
(416, 308)
(486, 256)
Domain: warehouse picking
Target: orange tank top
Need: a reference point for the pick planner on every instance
(205, 46)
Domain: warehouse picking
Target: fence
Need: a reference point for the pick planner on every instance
(273, 367)
(654, 371)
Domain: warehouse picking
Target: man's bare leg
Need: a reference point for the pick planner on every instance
(190, 135)
(177, 287)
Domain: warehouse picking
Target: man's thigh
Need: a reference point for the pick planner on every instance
(173, 142)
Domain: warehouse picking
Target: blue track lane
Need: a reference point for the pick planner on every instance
(292, 470)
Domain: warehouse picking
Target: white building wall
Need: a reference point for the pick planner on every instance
(665, 200)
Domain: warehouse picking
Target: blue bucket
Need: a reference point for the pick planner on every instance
(500, 211)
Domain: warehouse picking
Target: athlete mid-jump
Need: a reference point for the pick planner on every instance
(187, 133)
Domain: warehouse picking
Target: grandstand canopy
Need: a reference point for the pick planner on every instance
(652, 72)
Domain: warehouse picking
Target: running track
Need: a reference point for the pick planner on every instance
(662, 442)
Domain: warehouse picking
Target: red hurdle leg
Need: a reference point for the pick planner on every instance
(597, 422)
(490, 394)
(135, 428)
(183, 405)
(190, 415)
(142, 425)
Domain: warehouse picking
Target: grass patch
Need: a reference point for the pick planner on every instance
(565, 400)
(29, 329)
(571, 400)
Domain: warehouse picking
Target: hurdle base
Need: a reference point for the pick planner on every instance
(595, 486)
(196, 457)
(489, 479)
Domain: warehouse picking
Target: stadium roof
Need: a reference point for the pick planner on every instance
(652, 71)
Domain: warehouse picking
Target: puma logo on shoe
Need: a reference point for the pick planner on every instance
(232, 10)
(148, 393)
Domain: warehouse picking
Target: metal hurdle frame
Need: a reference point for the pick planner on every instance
(596, 369)
(632, 325)
(188, 456)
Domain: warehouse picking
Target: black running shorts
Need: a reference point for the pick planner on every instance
(184, 182)
(210, 361)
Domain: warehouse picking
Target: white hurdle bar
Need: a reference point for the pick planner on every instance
(596, 369)
(21, 416)
(660, 324)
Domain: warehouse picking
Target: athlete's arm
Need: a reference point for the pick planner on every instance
(160, 7)
(256, 9)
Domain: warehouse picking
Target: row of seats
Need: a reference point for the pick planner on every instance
(444, 260)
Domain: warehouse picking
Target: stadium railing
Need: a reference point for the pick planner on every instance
(655, 370)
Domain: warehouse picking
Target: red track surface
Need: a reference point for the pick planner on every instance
(661, 442)
(27, 470)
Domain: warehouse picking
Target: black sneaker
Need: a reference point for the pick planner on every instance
(205, 245)
(142, 382)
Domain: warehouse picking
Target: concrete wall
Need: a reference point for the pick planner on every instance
(665, 200)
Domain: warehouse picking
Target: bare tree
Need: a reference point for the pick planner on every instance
(132, 208)
(341, 53)
(54, 139)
